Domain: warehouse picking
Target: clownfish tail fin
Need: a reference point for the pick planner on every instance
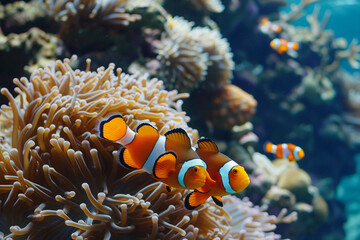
(195, 199)
(268, 147)
(113, 128)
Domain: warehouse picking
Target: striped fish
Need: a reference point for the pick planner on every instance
(224, 176)
(169, 158)
(285, 150)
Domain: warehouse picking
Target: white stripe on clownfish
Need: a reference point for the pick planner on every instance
(224, 173)
(158, 150)
(185, 167)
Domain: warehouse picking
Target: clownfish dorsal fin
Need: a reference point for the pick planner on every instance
(179, 136)
(195, 199)
(206, 144)
(217, 200)
(146, 129)
(126, 160)
(113, 128)
(164, 165)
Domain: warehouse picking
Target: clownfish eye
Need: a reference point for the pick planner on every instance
(234, 171)
(196, 169)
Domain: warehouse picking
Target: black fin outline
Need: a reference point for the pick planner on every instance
(144, 124)
(219, 203)
(158, 159)
(205, 139)
(187, 204)
(182, 131)
(168, 188)
(120, 158)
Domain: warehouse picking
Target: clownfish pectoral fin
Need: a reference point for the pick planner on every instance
(146, 129)
(195, 199)
(179, 136)
(113, 128)
(126, 160)
(164, 165)
(217, 200)
(291, 157)
(169, 188)
(206, 144)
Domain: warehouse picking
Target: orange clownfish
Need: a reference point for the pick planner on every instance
(282, 45)
(266, 26)
(169, 158)
(224, 176)
(288, 150)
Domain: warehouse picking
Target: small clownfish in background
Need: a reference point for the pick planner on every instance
(282, 45)
(268, 27)
(285, 150)
(169, 158)
(224, 176)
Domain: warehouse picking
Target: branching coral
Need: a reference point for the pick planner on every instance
(109, 12)
(183, 60)
(297, 11)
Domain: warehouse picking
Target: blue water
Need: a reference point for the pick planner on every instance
(344, 20)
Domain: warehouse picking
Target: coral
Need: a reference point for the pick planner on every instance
(297, 11)
(32, 49)
(220, 63)
(209, 5)
(254, 222)
(296, 181)
(59, 180)
(226, 106)
(183, 62)
(83, 11)
(20, 15)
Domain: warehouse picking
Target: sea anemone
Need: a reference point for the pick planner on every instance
(220, 63)
(84, 11)
(57, 175)
(183, 61)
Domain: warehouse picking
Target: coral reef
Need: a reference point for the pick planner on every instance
(81, 12)
(224, 107)
(62, 181)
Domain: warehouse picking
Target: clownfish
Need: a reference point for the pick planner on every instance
(282, 45)
(169, 158)
(288, 150)
(224, 176)
(268, 27)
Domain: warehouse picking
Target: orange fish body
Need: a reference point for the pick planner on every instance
(224, 176)
(282, 45)
(266, 26)
(168, 158)
(285, 150)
